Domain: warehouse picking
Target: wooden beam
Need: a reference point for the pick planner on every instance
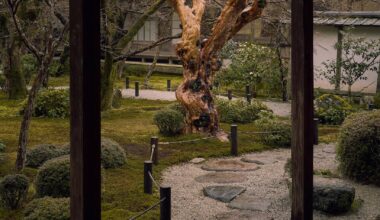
(302, 109)
(85, 109)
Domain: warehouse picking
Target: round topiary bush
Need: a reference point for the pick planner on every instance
(279, 132)
(332, 109)
(169, 122)
(48, 208)
(52, 103)
(13, 190)
(359, 147)
(41, 153)
(239, 111)
(112, 155)
(177, 107)
(53, 178)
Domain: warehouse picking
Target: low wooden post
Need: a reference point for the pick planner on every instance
(137, 89)
(229, 94)
(315, 130)
(234, 143)
(247, 89)
(154, 149)
(249, 98)
(168, 85)
(165, 206)
(127, 82)
(148, 167)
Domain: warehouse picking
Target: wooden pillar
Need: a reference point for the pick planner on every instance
(85, 109)
(338, 59)
(302, 110)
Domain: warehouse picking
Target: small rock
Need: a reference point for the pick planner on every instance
(197, 160)
(250, 203)
(221, 177)
(333, 199)
(223, 193)
(229, 165)
(260, 160)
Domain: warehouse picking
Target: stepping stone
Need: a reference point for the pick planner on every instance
(260, 160)
(242, 215)
(223, 193)
(221, 177)
(197, 160)
(333, 199)
(252, 203)
(229, 165)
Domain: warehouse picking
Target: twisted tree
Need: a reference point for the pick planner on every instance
(200, 57)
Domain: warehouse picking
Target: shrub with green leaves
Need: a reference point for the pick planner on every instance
(53, 178)
(177, 107)
(332, 109)
(13, 190)
(279, 131)
(52, 103)
(48, 208)
(2, 146)
(239, 111)
(112, 155)
(169, 122)
(377, 100)
(117, 98)
(41, 153)
(359, 147)
(3, 82)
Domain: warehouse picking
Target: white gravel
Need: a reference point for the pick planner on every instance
(267, 183)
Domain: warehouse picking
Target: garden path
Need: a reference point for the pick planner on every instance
(258, 190)
(279, 108)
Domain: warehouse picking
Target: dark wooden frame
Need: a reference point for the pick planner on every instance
(302, 109)
(85, 109)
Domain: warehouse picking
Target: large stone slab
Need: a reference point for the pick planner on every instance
(221, 177)
(247, 202)
(259, 159)
(197, 160)
(333, 199)
(223, 193)
(242, 215)
(229, 165)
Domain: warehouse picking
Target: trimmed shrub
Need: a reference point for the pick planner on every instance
(359, 149)
(53, 178)
(2, 146)
(41, 153)
(239, 111)
(282, 132)
(169, 122)
(332, 109)
(177, 107)
(116, 98)
(13, 190)
(48, 208)
(112, 155)
(52, 103)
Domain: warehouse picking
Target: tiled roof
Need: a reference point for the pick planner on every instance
(357, 18)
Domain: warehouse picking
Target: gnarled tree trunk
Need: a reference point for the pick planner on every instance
(200, 57)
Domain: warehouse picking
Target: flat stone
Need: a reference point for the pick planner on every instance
(221, 177)
(197, 160)
(229, 165)
(333, 199)
(242, 215)
(260, 160)
(223, 193)
(252, 203)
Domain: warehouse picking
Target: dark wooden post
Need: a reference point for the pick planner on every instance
(154, 149)
(247, 89)
(302, 110)
(234, 142)
(229, 94)
(315, 131)
(127, 82)
(168, 85)
(249, 98)
(165, 206)
(85, 109)
(137, 89)
(148, 167)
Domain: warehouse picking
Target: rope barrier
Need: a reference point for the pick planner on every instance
(186, 141)
(260, 132)
(148, 209)
(154, 181)
(151, 153)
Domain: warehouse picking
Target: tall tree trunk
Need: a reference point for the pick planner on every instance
(107, 80)
(152, 67)
(16, 81)
(283, 75)
(62, 61)
(28, 111)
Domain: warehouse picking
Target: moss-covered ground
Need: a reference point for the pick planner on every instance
(132, 127)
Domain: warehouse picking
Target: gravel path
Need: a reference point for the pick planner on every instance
(269, 184)
(280, 109)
